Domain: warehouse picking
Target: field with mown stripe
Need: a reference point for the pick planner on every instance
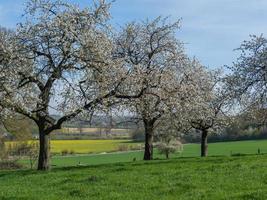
(190, 150)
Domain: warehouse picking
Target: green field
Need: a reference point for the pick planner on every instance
(190, 150)
(228, 148)
(214, 178)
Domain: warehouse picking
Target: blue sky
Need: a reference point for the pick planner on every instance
(211, 29)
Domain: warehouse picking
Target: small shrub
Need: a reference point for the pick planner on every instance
(10, 164)
(67, 152)
(64, 152)
(3, 151)
(21, 148)
(71, 152)
(123, 147)
(12, 152)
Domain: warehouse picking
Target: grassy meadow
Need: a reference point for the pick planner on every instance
(214, 178)
(123, 175)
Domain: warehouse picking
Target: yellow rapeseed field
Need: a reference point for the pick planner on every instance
(87, 146)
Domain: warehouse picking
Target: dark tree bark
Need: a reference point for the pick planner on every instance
(44, 150)
(148, 154)
(204, 143)
(167, 155)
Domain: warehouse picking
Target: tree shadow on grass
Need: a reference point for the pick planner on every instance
(14, 198)
(21, 172)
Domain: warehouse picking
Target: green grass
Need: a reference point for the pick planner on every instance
(214, 178)
(116, 176)
(228, 148)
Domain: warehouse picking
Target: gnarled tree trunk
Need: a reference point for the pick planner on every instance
(148, 154)
(204, 143)
(44, 151)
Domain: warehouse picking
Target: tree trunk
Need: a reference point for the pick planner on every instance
(44, 155)
(204, 143)
(167, 155)
(148, 154)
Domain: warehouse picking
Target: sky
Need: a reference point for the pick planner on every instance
(210, 29)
